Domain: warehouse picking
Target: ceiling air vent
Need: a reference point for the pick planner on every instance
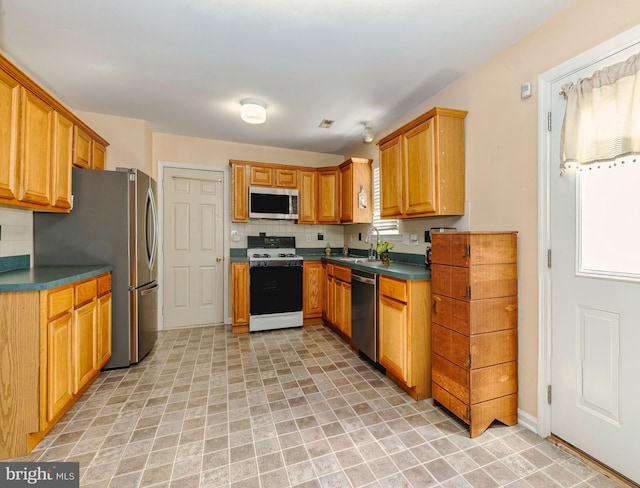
(326, 123)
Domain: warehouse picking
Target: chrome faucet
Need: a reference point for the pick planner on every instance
(372, 252)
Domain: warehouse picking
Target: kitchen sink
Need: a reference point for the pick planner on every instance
(350, 259)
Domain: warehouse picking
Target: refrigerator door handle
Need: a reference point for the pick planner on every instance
(151, 205)
(151, 289)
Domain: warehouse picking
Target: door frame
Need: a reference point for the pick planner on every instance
(226, 185)
(545, 80)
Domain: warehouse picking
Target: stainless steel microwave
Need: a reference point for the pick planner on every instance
(273, 203)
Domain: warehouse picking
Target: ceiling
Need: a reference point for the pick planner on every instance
(184, 65)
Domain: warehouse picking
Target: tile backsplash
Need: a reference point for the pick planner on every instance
(306, 235)
(16, 232)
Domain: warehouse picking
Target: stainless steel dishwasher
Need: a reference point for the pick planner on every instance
(364, 312)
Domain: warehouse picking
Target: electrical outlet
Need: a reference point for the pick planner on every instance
(405, 238)
(308, 237)
(320, 237)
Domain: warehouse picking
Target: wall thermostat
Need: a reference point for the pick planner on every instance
(525, 90)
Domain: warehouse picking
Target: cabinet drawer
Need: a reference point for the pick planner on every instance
(59, 302)
(104, 284)
(475, 283)
(463, 249)
(475, 316)
(476, 386)
(450, 402)
(85, 292)
(341, 273)
(396, 289)
(478, 351)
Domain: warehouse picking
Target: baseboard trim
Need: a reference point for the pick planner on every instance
(528, 421)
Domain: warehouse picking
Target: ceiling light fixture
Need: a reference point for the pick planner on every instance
(367, 133)
(253, 111)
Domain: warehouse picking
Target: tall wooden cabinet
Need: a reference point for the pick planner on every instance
(422, 166)
(474, 326)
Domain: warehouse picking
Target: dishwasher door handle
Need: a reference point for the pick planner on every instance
(362, 279)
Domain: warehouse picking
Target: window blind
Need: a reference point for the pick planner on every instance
(385, 226)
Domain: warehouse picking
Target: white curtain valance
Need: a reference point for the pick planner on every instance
(602, 118)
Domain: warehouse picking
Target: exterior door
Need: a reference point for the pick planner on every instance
(595, 311)
(193, 247)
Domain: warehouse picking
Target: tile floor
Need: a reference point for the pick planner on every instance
(284, 408)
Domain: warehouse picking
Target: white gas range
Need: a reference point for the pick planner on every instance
(275, 283)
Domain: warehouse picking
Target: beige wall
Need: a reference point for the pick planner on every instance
(501, 144)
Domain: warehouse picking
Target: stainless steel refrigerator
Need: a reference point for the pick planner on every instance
(114, 220)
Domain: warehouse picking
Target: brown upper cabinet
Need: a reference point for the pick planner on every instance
(422, 166)
(327, 195)
(38, 144)
(355, 191)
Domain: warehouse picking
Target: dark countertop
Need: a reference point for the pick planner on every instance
(47, 277)
(399, 270)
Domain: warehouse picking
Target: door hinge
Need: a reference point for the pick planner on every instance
(468, 292)
(549, 394)
(468, 413)
(549, 121)
(548, 258)
(469, 361)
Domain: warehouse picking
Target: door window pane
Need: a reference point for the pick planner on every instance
(609, 220)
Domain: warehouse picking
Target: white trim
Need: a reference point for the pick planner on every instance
(529, 422)
(226, 225)
(545, 80)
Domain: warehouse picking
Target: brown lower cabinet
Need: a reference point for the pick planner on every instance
(474, 333)
(55, 342)
(403, 334)
(337, 303)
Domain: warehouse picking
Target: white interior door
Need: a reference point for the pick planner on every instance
(595, 302)
(193, 247)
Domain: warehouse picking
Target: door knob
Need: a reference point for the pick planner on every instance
(218, 259)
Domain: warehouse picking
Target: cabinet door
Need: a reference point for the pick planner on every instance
(85, 344)
(98, 154)
(261, 176)
(312, 285)
(81, 148)
(346, 193)
(62, 161)
(240, 286)
(391, 191)
(330, 300)
(104, 329)
(240, 193)
(419, 172)
(329, 196)
(9, 130)
(59, 365)
(345, 290)
(35, 150)
(394, 346)
(307, 197)
(286, 178)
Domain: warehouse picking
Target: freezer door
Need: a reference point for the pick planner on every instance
(144, 326)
